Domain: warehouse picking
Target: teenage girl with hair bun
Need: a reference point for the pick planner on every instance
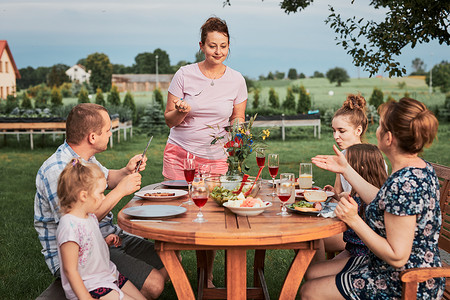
(403, 217)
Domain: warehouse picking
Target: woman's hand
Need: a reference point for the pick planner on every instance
(181, 106)
(347, 210)
(334, 163)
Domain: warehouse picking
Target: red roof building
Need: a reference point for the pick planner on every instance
(8, 71)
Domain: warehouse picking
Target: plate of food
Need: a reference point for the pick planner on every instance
(248, 206)
(161, 194)
(306, 207)
(300, 194)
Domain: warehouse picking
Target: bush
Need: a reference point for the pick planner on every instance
(128, 102)
(152, 121)
(56, 97)
(26, 101)
(99, 98)
(158, 97)
(41, 98)
(113, 96)
(66, 89)
(377, 98)
(124, 113)
(273, 99)
(255, 103)
(289, 102)
(304, 101)
(11, 103)
(83, 96)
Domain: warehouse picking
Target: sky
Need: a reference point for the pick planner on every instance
(263, 37)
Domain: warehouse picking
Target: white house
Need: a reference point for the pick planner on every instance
(77, 73)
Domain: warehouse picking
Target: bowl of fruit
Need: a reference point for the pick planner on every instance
(223, 188)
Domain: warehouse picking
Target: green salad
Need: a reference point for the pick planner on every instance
(302, 204)
(222, 195)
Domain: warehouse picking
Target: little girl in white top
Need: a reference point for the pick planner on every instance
(86, 270)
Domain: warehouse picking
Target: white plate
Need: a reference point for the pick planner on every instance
(298, 193)
(178, 193)
(154, 211)
(248, 211)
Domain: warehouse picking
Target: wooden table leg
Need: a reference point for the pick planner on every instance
(176, 272)
(296, 272)
(236, 274)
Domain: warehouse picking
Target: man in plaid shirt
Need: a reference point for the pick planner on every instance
(88, 129)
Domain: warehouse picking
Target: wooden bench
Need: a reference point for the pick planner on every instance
(412, 277)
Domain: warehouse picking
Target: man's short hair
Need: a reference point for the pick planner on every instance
(82, 120)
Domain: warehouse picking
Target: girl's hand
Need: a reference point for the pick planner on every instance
(181, 106)
(113, 239)
(334, 163)
(347, 210)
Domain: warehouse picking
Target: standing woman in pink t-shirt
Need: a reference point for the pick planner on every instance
(203, 98)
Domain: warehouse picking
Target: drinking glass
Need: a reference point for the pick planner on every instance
(260, 157)
(200, 197)
(291, 178)
(189, 173)
(305, 176)
(285, 187)
(204, 170)
(274, 164)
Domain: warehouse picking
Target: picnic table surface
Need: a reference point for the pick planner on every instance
(235, 234)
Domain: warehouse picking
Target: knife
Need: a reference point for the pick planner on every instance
(143, 154)
(154, 221)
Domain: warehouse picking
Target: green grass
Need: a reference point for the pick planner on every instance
(23, 273)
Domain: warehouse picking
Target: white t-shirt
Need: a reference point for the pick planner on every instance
(94, 265)
(211, 105)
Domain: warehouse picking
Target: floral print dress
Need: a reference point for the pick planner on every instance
(409, 191)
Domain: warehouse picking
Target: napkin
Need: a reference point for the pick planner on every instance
(328, 211)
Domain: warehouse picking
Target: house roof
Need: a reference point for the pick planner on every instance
(4, 46)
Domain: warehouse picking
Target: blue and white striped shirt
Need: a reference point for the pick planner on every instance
(46, 203)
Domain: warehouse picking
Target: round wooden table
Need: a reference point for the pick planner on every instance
(236, 234)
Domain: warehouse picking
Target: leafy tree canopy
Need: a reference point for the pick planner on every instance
(376, 45)
(338, 75)
(440, 76)
(101, 69)
(146, 62)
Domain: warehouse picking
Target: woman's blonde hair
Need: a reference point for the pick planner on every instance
(354, 108)
(76, 177)
(410, 122)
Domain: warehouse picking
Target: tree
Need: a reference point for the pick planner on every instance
(419, 67)
(338, 75)
(56, 97)
(83, 96)
(301, 76)
(377, 44)
(158, 96)
(289, 102)
(42, 95)
(57, 75)
(270, 76)
(11, 103)
(304, 101)
(114, 96)
(279, 75)
(99, 98)
(255, 103)
(101, 70)
(318, 74)
(377, 97)
(128, 101)
(26, 101)
(146, 62)
(292, 74)
(273, 99)
(440, 76)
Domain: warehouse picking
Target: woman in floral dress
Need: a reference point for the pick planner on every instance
(402, 222)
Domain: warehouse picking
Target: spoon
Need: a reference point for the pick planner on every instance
(244, 179)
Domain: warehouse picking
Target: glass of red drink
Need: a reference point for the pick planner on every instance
(200, 197)
(189, 173)
(285, 188)
(274, 164)
(260, 157)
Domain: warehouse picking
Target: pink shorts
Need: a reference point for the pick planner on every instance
(173, 163)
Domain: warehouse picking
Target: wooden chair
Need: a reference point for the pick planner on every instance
(412, 277)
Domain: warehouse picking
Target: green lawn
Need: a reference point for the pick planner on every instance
(23, 273)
